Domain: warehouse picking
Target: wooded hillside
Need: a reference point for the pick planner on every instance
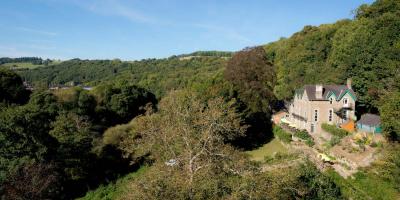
(178, 128)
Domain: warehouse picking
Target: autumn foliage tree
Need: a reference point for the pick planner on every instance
(253, 76)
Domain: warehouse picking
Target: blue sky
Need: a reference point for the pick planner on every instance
(137, 29)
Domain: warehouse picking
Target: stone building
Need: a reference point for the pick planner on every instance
(314, 105)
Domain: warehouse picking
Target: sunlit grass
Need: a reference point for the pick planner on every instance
(27, 65)
(267, 149)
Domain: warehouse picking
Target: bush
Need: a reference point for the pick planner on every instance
(303, 134)
(310, 142)
(335, 131)
(282, 134)
(334, 141)
(373, 144)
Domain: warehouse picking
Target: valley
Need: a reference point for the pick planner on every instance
(311, 116)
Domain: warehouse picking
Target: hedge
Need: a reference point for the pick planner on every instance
(335, 131)
(303, 134)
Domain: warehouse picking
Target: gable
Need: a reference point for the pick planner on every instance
(331, 94)
(347, 91)
(336, 91)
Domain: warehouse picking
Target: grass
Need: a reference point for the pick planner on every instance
(280, 157)
(364, 186)
(26, 65)
(113, 190)
(267, 150)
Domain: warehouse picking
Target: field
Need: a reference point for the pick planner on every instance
(267, 150)
(26, 65)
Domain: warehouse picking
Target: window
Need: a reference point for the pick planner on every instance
(330, 100)
(346, 115)
(315, 115)
(312, 128)
(330, 115)
(345, 101)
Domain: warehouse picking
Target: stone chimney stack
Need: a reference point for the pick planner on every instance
(318, 91)
(348, 83)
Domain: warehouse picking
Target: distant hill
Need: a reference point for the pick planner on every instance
(157, 75)
(223, 54)
(25, 62)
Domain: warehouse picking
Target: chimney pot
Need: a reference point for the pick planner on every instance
(318, 91)
(349, 83)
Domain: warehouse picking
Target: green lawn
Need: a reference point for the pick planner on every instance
(267, 150)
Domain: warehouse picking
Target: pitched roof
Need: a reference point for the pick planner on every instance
(338, 90)
(370, 119)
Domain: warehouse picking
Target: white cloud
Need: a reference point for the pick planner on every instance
(35, 31)
(116, 8)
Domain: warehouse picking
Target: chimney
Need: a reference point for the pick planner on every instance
(318, 91)
(348, 83)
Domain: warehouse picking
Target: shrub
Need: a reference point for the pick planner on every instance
(310, 142)
(303, 134)
(373, 144)
(334, 140)
(335, 131)
(282, 134)
(379, 144)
